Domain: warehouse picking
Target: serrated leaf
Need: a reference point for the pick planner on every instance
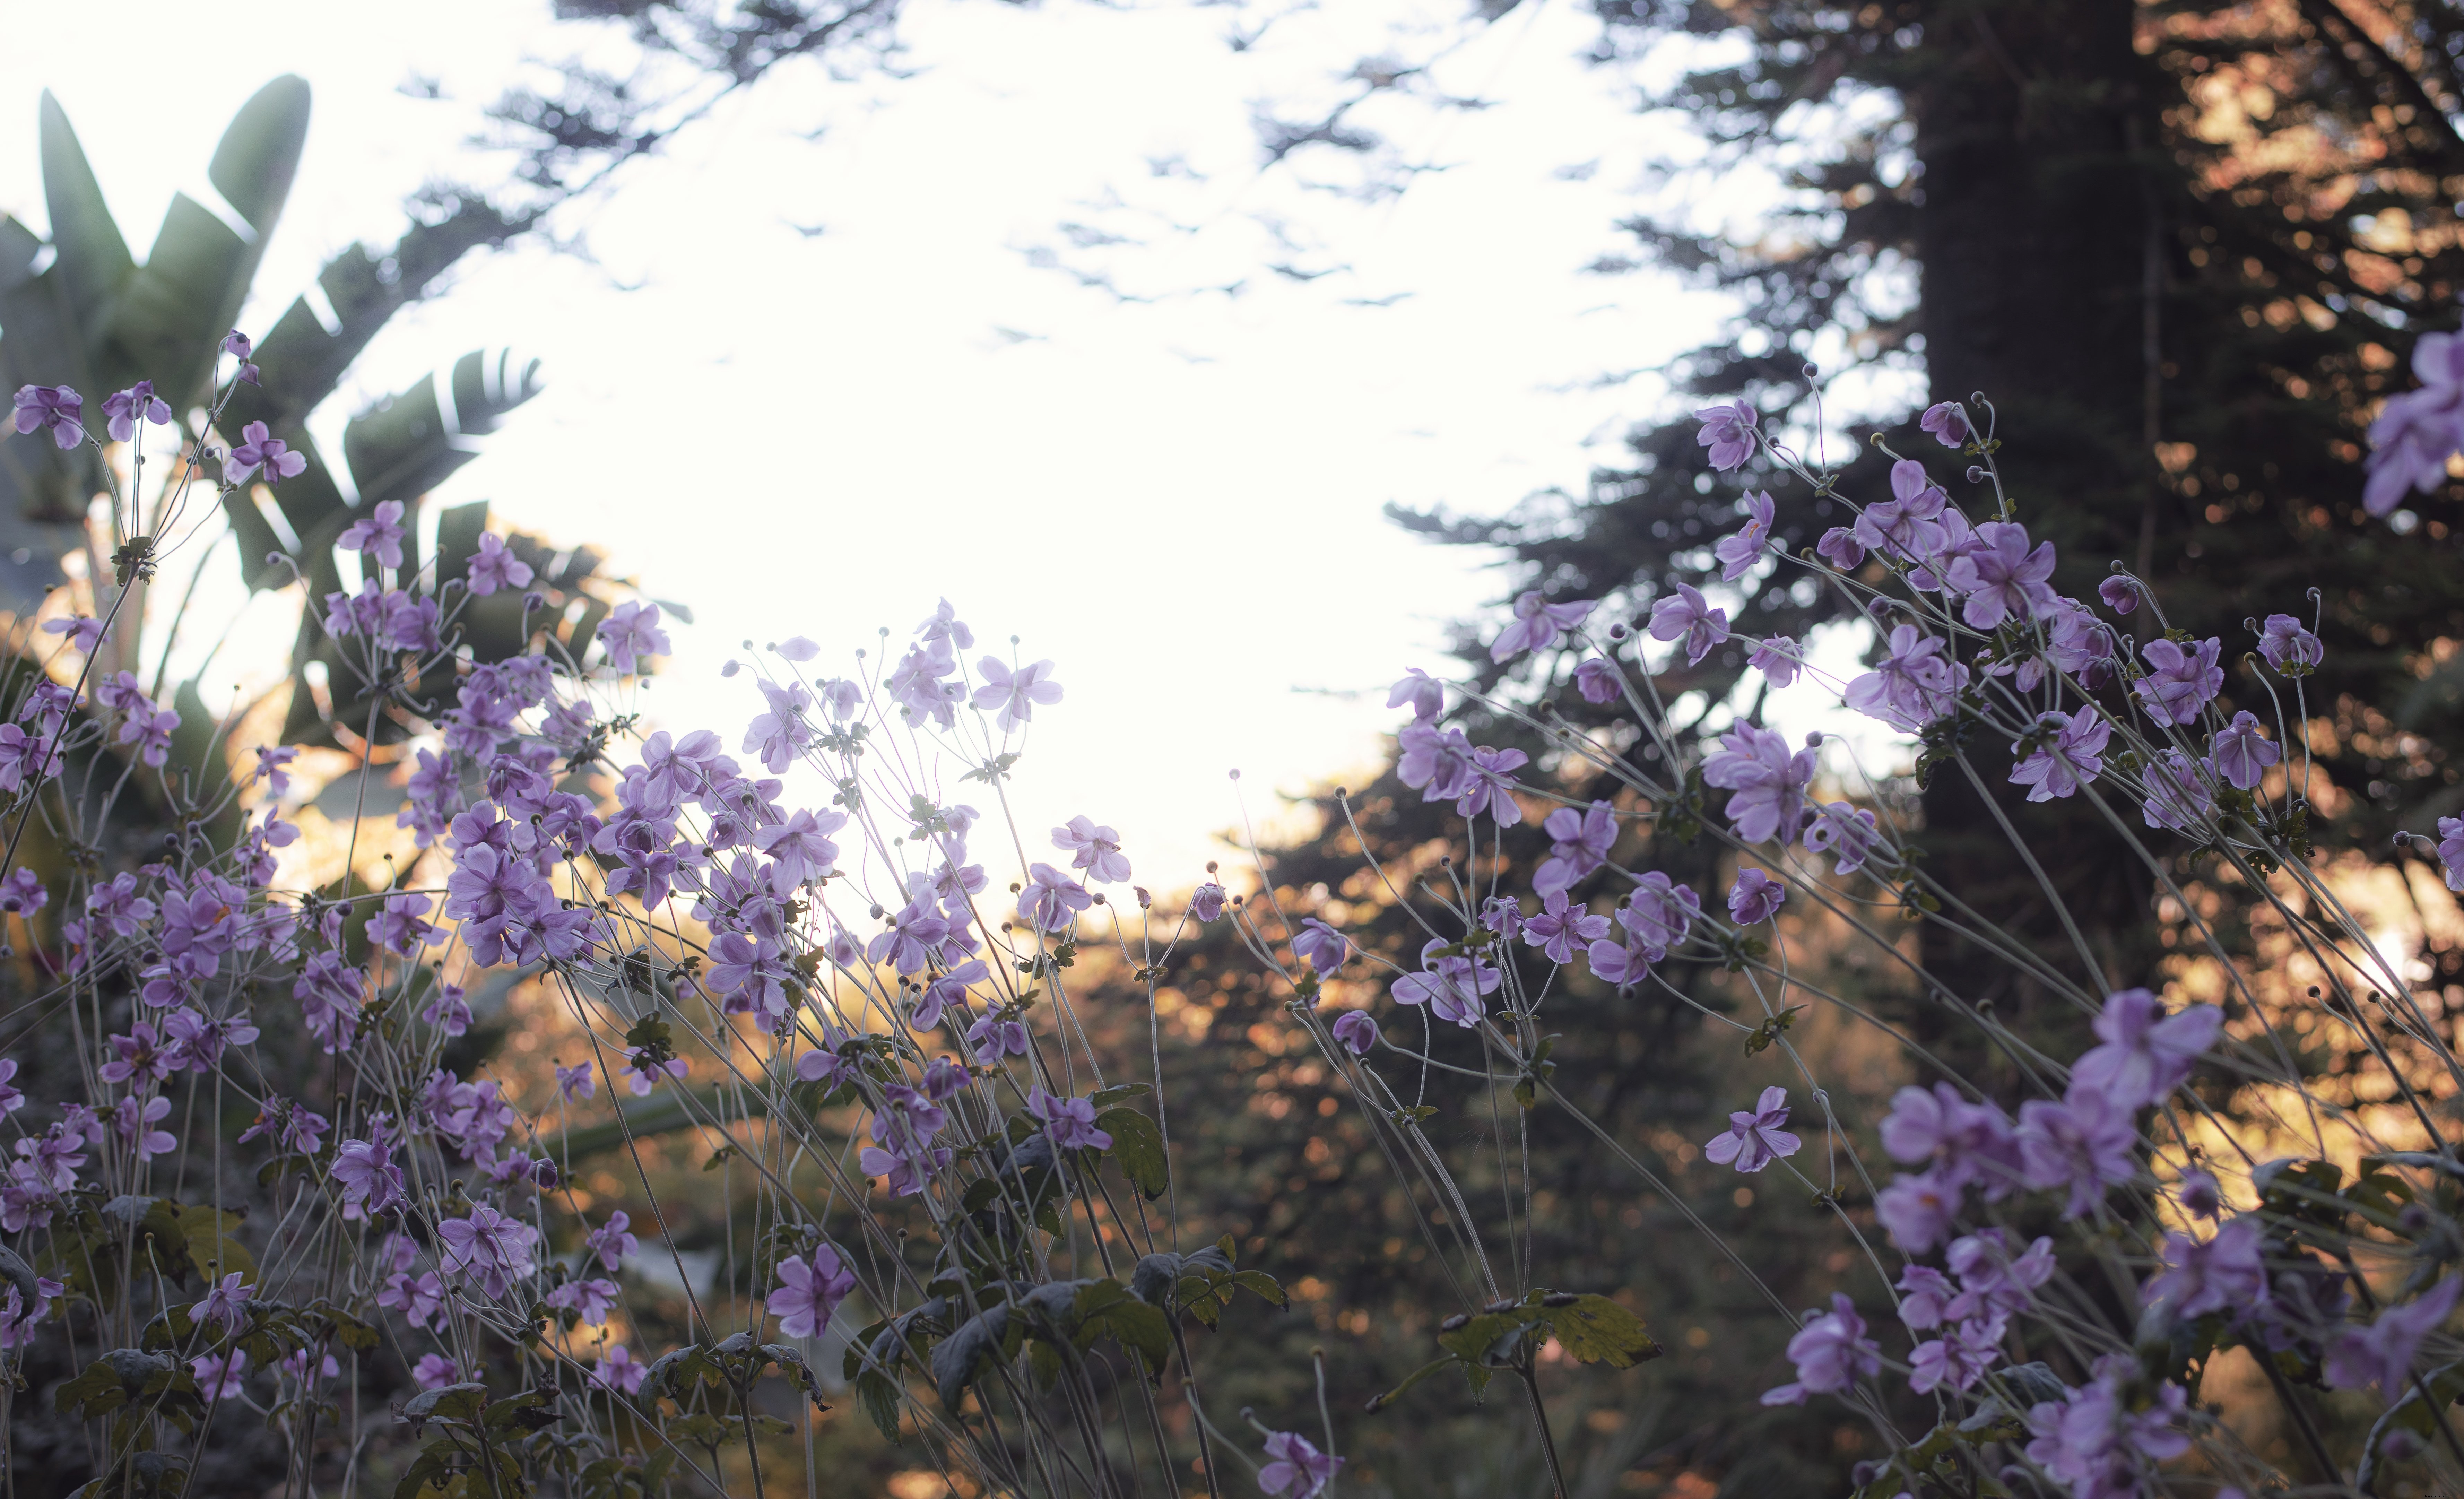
(1596, 1329)
(879, 1396)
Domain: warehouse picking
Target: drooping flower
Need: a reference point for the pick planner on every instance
(810, 1291)
(1596, 679)
(1728, 431)
(2287, 646)
(1848, 834)
(1452, 986)
(1755, 898)
(1754, 1139)
(1424, 694)
(1738, 553)
(1441, 761)
(1356, 1030)
(1536, 624)
(1321, 946)
(1946, 422)
(2450, 852)
(1916, 683)
(1840, 548)
(1779, 658)
(2120, 594)
(2178, 794)
(2241, 753)
(1686, 614)
(1831, 1353)
(1296, 1468)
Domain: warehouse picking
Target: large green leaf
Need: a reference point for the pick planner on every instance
(93, 261)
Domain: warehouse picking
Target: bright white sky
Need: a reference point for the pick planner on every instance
(1178, 503)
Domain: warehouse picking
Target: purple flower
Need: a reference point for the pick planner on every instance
(2412, 438)
(1756, 1139)
(2178, 793)
(1439, 760)
(1558, 931)
(2069, 753)
(1915, 684)
(908, 943)
(2287, 646)
(1778, 658)
(1321, 946)
(1685, 613)
(260, 452)
(1296, 1468)
(2241, 753)
(1848, 834)
(1769, 781)
(1917, 1211)
(575, 1082)
(56, 407)
(494, 566)
(1354, 1028)
(1596, 679)
(1728, 431)
(1425, 694)
(141, 1056)
(2182, 681)
(84, 633)
(631, 635)
(2002, 578)
(123, 410)
(2144, 1054)
(1660, 913)
(1831, 1353)
(492, 1248)
(1097, 850)
(434, 1371)
(1755, 898)
(1015, 695)
(1536, 627)
(1579, 844)
(137, 1126)
(1946, 422)
(2120, 594)
(2383, 1353)
(802, 844)
(1957, 1360)
(1050, 898)
(1962, 1141)
(1070, 1121)
(611, 1242)
(1206, 901)
(994, 1037)
(2222, 1274)
(619, 1370)
(1490, 786)
(380, 532)
(1450, 986)
(367, 1170)
(1737, 554)
(220, 1377)
(810, 1291)
(645, 1070)
(225, 1305)
(2084, 1143)
(2199, 1194)
(1840, 548)
(2451, 851)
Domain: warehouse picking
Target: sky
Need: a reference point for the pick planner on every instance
(811, 378)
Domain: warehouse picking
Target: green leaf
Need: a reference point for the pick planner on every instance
(1260, 1283)
(451, 1402)
(879, 1394)
(97, 1392)
(1487, 1338)
(1106, 1097)
(1137, 1144)
(1106, 1309)
(960, 1359)
(207, 1232)
(1379, 1403)
(1596, 1329)
(93, 261)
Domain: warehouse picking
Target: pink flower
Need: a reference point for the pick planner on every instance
(2182, 681)
(1946, 422)
(2068, 752)
(2145, 1054)
(2001, 577)
(1769, 781)
(225, 1305)
(575, 1082)
(1737, 554)
(2383, 1353)
(1756, 1139)
(1070, 1121)
(379, 533)
(435, 1371)
(488, 1247)
(1097, 850)
(220, 1377)
(493, 566)
(1755, 898)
